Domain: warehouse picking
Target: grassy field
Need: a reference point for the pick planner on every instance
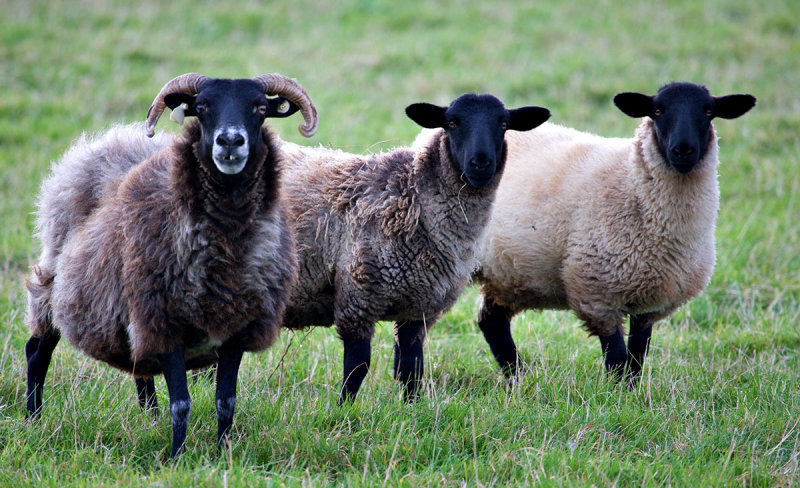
(719, 404)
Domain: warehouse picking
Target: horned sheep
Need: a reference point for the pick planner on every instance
(607, 227)
(393, 236)
(169, 254)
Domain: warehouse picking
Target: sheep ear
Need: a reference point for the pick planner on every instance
(279, 107)
(732, 106)
(527, 118)
(174, 100)
(427, 115)
(634, 104)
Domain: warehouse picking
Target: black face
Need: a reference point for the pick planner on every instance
(682, 114)
(475, 127)
(231, 113)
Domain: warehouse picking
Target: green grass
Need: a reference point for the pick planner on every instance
(719, 403)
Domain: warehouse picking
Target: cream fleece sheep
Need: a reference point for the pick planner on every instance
(607, 227)
(588, 205)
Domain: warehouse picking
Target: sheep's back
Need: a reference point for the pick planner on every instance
(313, 184)
(322, 189)
(552, 173)
(361, 242)
(89, 302)
(599, 225)
(86, 174)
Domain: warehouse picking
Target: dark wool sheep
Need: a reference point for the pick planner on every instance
(607, 227)
(164, 256)
(393, 236)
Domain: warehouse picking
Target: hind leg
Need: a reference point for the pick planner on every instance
(38, 352)
(495, 322)
(615, 353)
(146, 392)
(408, 356)
(357, 356)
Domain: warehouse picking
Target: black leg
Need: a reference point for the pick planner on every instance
(357, 352)
(180, 405)
(230, 357)
(638, 344)
(409, 363)
(38, 352)
(495, 323)
(615, 353)
(146, 391)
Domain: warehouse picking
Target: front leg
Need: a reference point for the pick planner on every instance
(615, 353)
(357, 355)
(638, 344)
(230, 357)
(409, 363)
(39, 353)
(495, 322)
(173, 366)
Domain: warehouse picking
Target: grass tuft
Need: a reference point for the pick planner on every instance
(718, 403)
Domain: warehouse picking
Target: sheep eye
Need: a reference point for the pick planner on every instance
(504, 125)
(451, 124)
(657, 112)
(199, 108)
(709, 113)
(262, 109)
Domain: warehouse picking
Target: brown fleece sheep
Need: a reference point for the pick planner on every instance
(167, 255)
(393, 236)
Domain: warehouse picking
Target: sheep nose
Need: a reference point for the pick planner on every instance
(230, 140)
(480, 162)
(683, 151)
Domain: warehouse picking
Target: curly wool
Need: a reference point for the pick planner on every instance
(599, 225)
(391, 236)
(161, 261)
(89, 172)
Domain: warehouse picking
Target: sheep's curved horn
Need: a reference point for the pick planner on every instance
(277, 84)
(189, 83)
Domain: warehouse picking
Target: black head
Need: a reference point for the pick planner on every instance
(475, 126)
(682, 115)
(231, 113)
